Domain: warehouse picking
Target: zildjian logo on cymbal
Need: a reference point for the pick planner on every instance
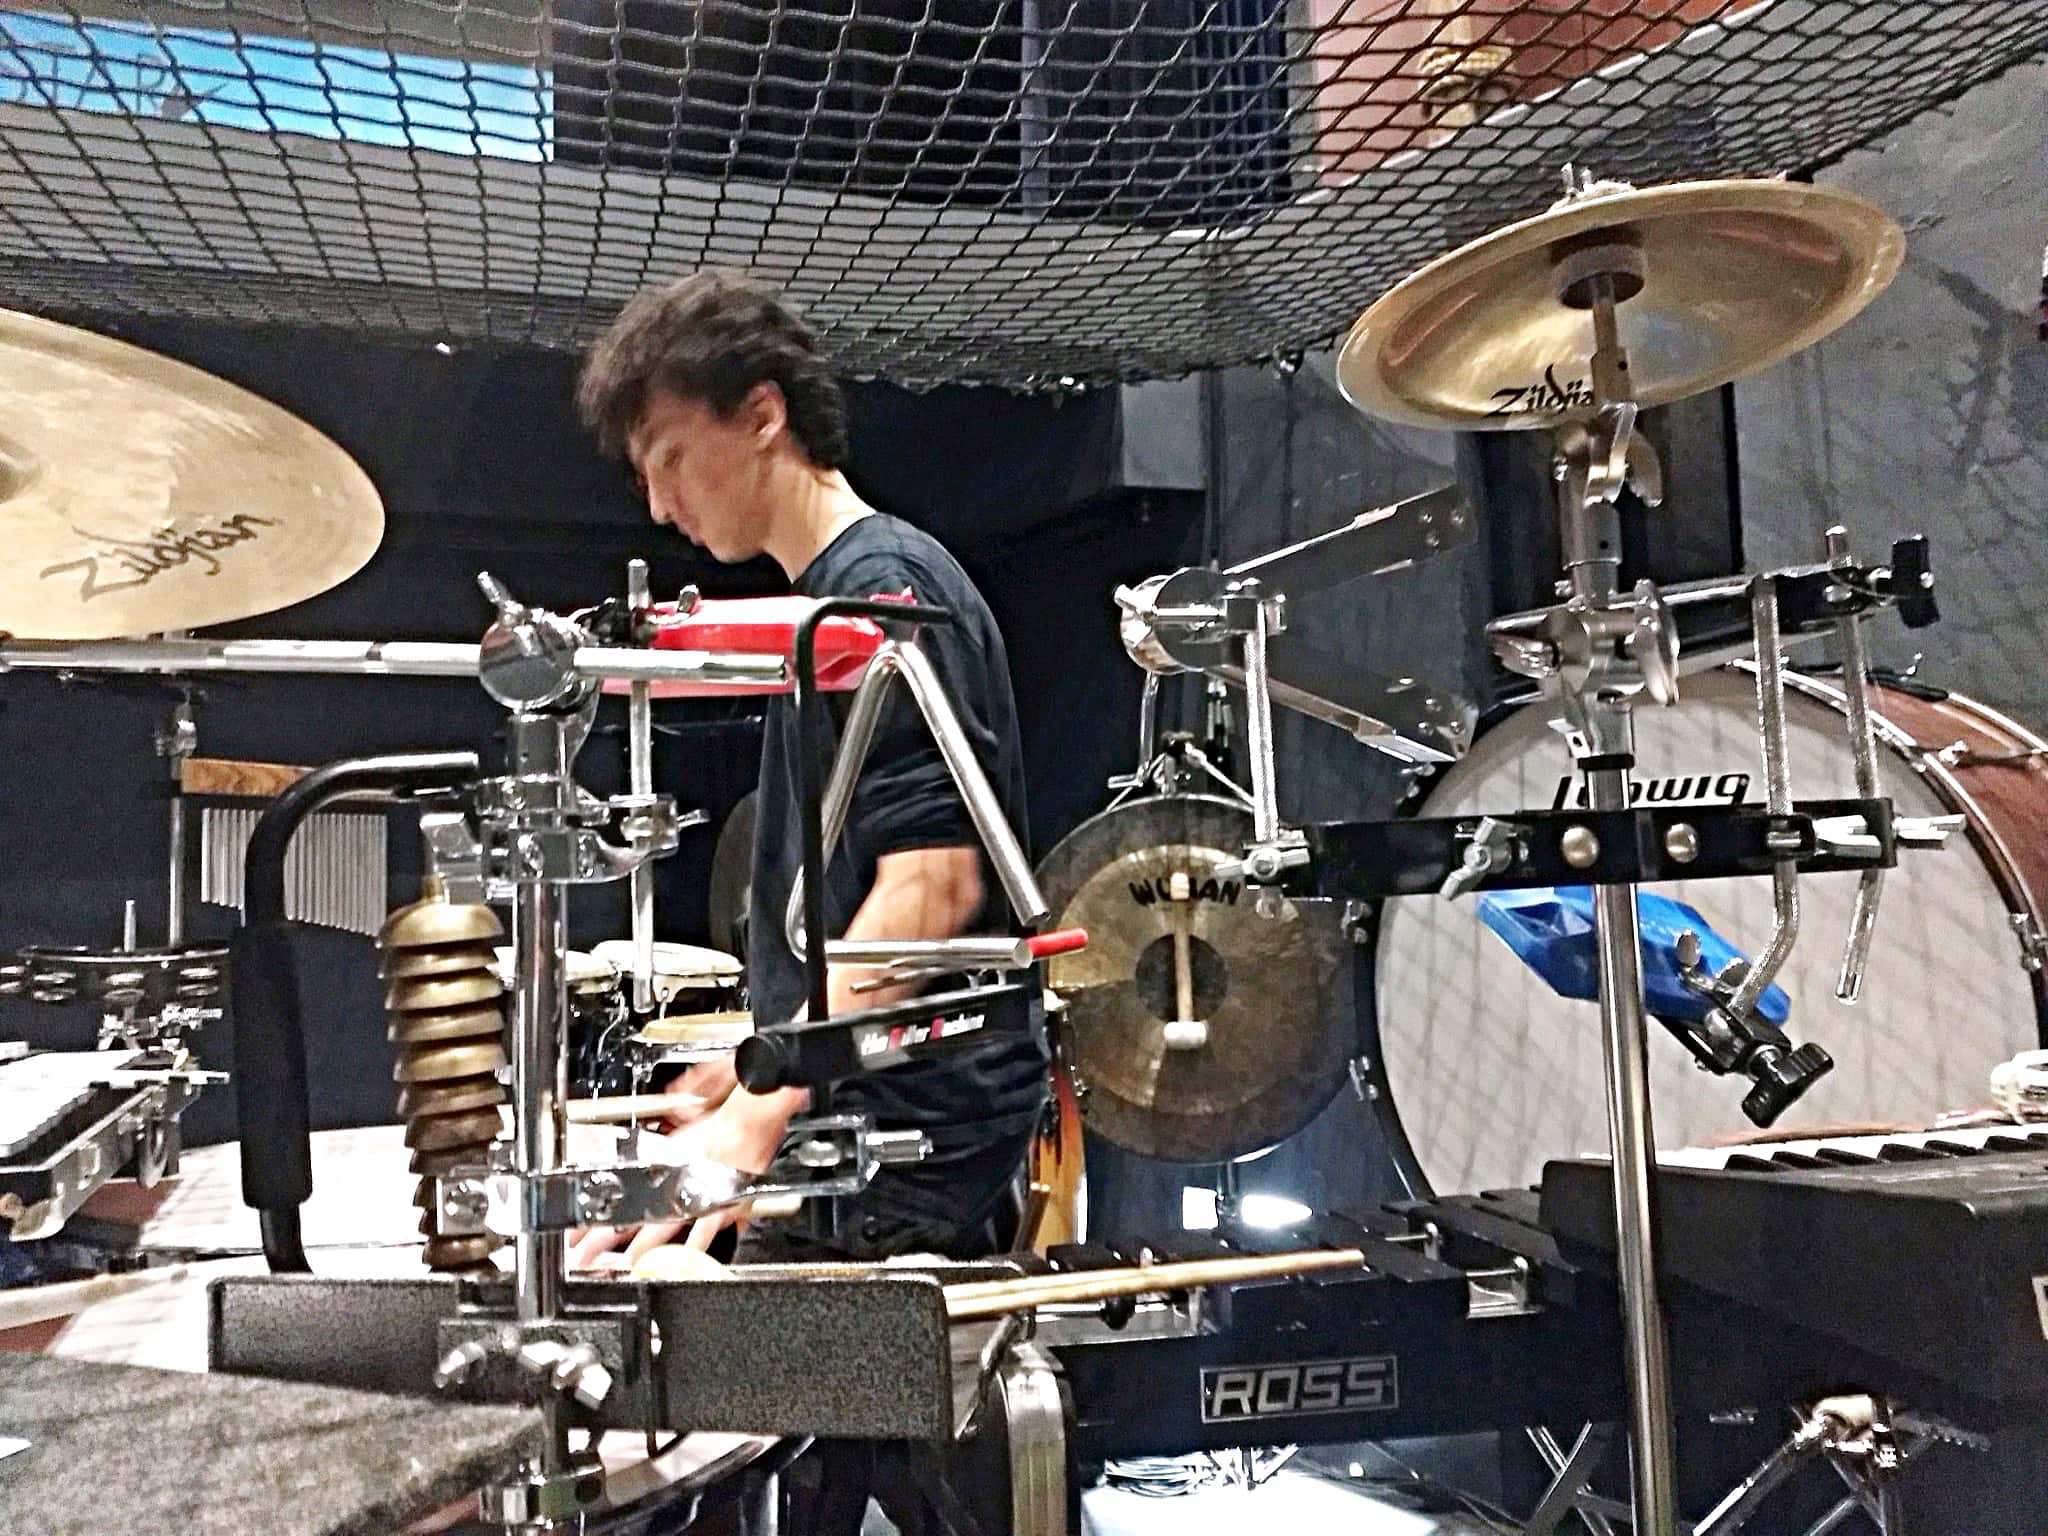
(141, 561)
(1551, 397)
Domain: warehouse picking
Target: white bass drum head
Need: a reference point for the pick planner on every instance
(1492, 1074)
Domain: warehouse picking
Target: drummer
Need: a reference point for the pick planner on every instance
(714, 390)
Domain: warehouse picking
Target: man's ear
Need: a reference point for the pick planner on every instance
(766, 413)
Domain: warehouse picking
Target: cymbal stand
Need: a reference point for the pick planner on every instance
(1866, 1440)
(176, 741)
(1607, 648)
(1171, 766)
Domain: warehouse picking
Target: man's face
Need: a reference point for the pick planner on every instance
(704, 474)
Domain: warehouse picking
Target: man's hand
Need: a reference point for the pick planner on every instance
(744, 1132)
(702, 1088)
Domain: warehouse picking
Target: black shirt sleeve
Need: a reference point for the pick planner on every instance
(904, 797)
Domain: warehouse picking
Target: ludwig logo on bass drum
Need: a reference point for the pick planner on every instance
(1235, 1393)
(1695, 789)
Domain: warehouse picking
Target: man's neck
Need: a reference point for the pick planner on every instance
(813, 506)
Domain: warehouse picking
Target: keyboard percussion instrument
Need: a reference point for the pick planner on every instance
(1609, 1274)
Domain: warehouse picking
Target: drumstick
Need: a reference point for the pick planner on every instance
(674, 1261)
(630, 1106)
(993, 1298)
(44, 1303)
(1180, 891)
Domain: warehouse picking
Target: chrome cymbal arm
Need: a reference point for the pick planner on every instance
(1770, 712)
(1264, 617)
(1863, 753)
(1148, 723)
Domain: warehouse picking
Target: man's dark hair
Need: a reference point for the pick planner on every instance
(711, 337)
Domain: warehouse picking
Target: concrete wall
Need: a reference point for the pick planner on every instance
(1929, 413)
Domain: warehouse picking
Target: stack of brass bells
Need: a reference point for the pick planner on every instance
(448, 1022)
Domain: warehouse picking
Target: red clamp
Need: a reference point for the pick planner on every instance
(1061, 941)
(760, 626)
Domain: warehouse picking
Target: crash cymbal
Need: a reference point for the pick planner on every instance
(728, 1027)
(140, 495)
(434, 922)
(438, 1063)
(436, 960)
(420, 994)
(1275, 994)
(1734, 276)
(474, 1023)
(470, 1128)
(450, 1097)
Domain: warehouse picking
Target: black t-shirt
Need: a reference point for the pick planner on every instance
(904, 799)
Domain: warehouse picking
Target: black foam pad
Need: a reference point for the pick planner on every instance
(120, 1448)
(270, 1069)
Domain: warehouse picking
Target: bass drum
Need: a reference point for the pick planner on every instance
(1485, 1073)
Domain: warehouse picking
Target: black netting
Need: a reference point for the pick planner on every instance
(1002, 191)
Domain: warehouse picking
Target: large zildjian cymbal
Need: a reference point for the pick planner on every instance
(139, 495)
(1735, 276)
(1276, 994)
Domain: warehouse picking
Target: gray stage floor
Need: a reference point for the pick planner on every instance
(1300, 1503)
(1356, 1491)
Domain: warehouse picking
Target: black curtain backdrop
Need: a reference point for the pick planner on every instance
(482, 466)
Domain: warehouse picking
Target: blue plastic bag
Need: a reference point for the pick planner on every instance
(1551, 928)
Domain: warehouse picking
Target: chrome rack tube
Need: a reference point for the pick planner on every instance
(362, 658)
(375, 658)
(640, 781)
(968, 954)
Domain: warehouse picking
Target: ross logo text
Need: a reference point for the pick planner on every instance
(1366, 1384)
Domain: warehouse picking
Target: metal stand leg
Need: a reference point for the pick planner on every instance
(1597, 696)
(1733, 1512)
(176, 743)
(1834, 1518)
(760, 1505)
(1570, 1474)
(1624, 1024)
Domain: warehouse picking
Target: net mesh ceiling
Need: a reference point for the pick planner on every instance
(1018, 192)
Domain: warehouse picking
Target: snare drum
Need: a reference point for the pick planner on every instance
(688, 978)
(1485, 1073)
